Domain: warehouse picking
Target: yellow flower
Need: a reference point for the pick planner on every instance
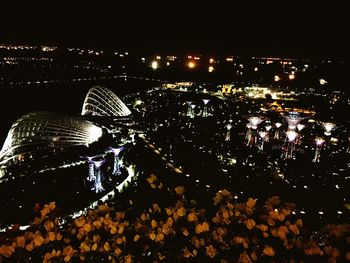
(45, 211)
(20, 241)
(117, 251)
(51, 236)
(168, 211)
(121, 230)
(97, 224)
(59, 236)
(87, 227)
(6, 251)
(250, 223)
(52, 206)
(268, 251)
(181, 211)
(156, 208)
(263, 227)
(68, 252)
(159, 237)
(251, 202)
(180, 190)
(79, 222)
(119, 240)
(49, 225)
(192, 217)
(94, 247)
(128, 259)
(270, 221)
(294, 229)
(84, 247)
(144, 216)
(210, 251)
(153, 223)
(253, 256)
(106, 246)
(38, 240)
(185, 232)
(152, 236)
(119, 216)
(29, 247)
(151, 179)
(103, 208)
(200, 228)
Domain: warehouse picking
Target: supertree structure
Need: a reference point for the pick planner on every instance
(277, 132)
(267, 128)
(228, 132)
(293, 118)
(98, 176)
(117, 161)
(252, 136)
(291, 135)
(328, 128)
(263, 135)
(205, 108)
(319, 145)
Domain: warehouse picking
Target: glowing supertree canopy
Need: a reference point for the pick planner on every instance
(300, 127)
(254, 122)
(117, 162)
(263, 135)
(291, 135)
(228, 133)
(38, 131)
(319, 143)
(293, 119)
(100, 101)
(205, 108)
(277, 133)
(328, 127)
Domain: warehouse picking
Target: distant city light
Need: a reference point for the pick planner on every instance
(229, 59)
(211, 61)
(211, 69)
(291, 76)
(158, 57)
(323, 81)
(276, 78)
(191, 64)
(154, 65)
(168, 63)
(256, 69)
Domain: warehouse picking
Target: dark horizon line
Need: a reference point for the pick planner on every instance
(175, 50)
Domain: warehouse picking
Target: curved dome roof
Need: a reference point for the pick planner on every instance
(38, 131)
(100, 101)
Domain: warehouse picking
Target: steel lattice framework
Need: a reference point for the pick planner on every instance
(38, 131)
(100, 101)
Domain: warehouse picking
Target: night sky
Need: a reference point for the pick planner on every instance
(284, 28)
